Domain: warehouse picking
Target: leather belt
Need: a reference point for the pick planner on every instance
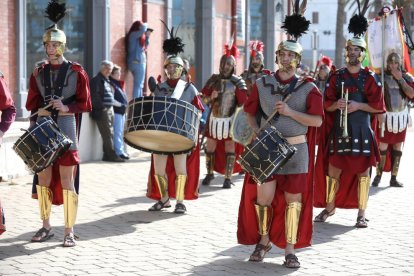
(294, 140)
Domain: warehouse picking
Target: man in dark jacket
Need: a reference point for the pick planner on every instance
(102, 111)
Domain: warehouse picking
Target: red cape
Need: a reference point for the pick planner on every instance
(347, 195)
(220, 158)
(193, 174)
(247, 228)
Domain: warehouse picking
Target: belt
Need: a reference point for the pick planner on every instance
(294, 140)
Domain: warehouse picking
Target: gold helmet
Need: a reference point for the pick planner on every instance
(55, 12)
(295, 25)
(358, 25)
(172, 47)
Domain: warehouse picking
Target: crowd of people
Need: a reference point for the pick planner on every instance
(344, 111)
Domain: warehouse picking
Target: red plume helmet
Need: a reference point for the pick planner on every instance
(255, 47)
(231, 50)
(327, 61)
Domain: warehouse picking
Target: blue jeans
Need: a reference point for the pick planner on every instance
(119, 122)
(138, 71)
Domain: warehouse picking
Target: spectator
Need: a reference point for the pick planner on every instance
(119, 116)
(102, 111)
(137, 40)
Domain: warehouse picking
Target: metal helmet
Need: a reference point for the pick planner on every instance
(173, 59)
(357, 41)
(55, 12)
(172, 46)
(394, 57)
(293, 46)
(56, 35)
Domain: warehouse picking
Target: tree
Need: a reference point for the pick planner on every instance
(339, 34)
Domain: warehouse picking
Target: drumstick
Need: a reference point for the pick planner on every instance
(273, 114)
(46, 107)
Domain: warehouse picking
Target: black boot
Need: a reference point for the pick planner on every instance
(227, 183)
(376, 181)
(207, 179)
(395, 183)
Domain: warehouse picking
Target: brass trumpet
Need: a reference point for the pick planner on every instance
(345, 119)
(341, 111)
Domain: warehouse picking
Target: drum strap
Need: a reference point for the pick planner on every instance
(55, 91)
(179, 89)
(290, 89)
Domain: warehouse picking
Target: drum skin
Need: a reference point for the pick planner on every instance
(162, 125)
(41, 144)
(268, 152)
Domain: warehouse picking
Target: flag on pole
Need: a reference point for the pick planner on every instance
(394, 42)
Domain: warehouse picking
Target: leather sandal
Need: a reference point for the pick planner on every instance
(180, 208)
(361, 222)
(324, 215)
(291, 261)
(43, 234)
(260, 252)
(69, 240)
(160, 205)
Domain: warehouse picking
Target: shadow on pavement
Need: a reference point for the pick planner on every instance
(128, 201)
(20, 249)
(116, 225)
(238, 257)
(327, 232)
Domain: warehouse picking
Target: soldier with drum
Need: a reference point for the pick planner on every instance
(281, 204)
(64, 86)
(175, 175)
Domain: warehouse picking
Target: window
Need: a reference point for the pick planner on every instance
(73, 24)
(183, 15)
(315, 17)
(256, 20)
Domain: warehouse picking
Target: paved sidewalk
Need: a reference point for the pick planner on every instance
(119, 236)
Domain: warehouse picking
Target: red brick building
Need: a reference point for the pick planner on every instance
(96, 30)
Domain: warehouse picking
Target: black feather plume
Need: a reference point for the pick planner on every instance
(295, 25)
(173, 45)
(358, 25)
(55, 11)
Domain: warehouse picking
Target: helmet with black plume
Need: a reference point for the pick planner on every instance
(55, 12)
(357, 26)
(295, 26)
(172, 46)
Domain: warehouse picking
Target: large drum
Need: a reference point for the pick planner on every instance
(42, 144)
(268, 152)
(162, 125)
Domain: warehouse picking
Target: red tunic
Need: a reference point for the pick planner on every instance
(247, 232)
(347, 195)
(192, 165)
(81, 104)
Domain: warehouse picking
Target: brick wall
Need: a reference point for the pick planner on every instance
(8, 45)
(123, 14)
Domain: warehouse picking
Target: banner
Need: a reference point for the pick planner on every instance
(393, 39)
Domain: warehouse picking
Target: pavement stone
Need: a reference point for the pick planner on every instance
(118, 236)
